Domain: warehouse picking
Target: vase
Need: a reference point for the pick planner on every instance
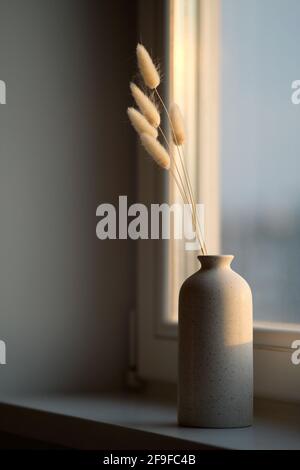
(215, 376)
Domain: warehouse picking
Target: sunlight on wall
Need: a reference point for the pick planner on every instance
(193, 49)
(183, 88)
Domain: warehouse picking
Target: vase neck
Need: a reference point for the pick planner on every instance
(215, 261)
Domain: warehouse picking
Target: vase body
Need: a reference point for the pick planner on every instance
(215, 376)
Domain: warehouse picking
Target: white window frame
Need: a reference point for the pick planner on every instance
(275, 376)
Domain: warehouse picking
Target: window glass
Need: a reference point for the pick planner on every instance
(260, 151)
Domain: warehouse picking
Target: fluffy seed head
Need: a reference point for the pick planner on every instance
(147, 68)
(178, 124)
(146, 106)
(140, 123)
(156, 150)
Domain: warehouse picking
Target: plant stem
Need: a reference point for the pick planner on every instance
(182, 190)
(174, 160)
(188, 183)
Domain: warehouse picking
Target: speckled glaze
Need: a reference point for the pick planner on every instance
(215, 377)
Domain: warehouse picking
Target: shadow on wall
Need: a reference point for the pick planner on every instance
(65, 148)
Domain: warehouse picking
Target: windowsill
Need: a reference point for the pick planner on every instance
(128, 420)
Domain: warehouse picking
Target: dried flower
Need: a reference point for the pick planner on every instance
(156, 150)
(147, 123)
(146, 106)
(147, 68)
(140, 123)
(178, 133)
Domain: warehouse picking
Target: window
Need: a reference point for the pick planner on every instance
(225, 61)
(260, 152)
(192, 48)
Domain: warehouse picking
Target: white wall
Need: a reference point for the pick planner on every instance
(65, 147)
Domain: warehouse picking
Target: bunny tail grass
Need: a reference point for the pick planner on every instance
(147, 68)
(140, 123)
(177, 124)
(146, 106)
(156, 150)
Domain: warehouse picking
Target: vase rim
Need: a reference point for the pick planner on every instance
(215, 256)
(215, 261)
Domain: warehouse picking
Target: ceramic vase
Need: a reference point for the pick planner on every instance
(215, 376)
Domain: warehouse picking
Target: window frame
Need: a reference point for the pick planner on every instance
(275, 376)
